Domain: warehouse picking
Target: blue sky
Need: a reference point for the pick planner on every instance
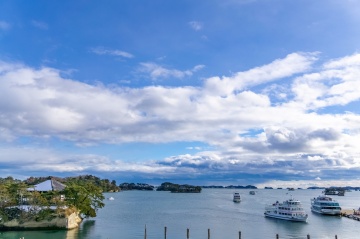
(261, 92)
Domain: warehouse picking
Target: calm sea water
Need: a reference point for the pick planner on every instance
(126, 217)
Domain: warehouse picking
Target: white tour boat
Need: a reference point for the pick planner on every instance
(325, 205)
(290, 209)
(236, 197)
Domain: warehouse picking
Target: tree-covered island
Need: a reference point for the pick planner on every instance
(177, 188)
(50, 203)
(136, 186)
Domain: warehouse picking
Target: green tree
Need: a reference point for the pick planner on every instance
(87, 198)
(5, 197)
(17, 192)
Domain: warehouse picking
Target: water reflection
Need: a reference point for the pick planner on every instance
(85, 231)
(72, 234)
(87, 228)
(44, 234)
(288, 229)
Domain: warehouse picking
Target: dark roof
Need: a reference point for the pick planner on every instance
(57, 186)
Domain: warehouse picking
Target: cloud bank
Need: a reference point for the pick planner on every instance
(273, 120)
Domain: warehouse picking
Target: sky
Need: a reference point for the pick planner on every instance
(221, 92)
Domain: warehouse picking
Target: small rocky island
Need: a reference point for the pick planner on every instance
(177, 188)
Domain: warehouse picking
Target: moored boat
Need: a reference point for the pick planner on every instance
(252, 192)
(236, 197)
(325, 205)
(334, 191)
(290, 210)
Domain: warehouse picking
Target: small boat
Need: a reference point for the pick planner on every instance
(290, 210)
(252, 192)
(236, 197)
(334, 191)
(325, 205)
(111, 198)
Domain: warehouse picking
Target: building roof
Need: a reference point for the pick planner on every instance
(48, 185)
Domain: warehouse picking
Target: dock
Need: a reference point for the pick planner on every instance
(351, 213)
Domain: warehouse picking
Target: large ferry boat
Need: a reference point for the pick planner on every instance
(290, 210)
(236, 197)
(325, 205)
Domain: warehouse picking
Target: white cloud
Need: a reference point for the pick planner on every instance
(197, 26)
(245, 131)
(348, 61)
(103, 51)
(336, 84)
(156, 71)
(31, 160)
(292, 64)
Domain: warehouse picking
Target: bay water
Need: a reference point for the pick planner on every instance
(131, 212)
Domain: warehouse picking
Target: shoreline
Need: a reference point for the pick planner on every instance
(58, 223)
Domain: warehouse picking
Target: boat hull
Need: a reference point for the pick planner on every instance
(236, 197)
(331, 212)
(282, 217)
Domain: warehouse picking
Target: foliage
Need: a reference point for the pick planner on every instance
(87, 198)
(104, 184)
(81, 194)
(8, 214)
(176, 188)
(137, 186)
(45, 214)
(12, 193)
(9, 180)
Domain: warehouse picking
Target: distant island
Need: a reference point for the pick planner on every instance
(177, 188)
(167, 186)
(136, 186)
(232, 186)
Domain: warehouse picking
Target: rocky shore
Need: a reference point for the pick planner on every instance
(69, 222)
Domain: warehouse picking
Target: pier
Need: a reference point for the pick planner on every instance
(351, 213)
